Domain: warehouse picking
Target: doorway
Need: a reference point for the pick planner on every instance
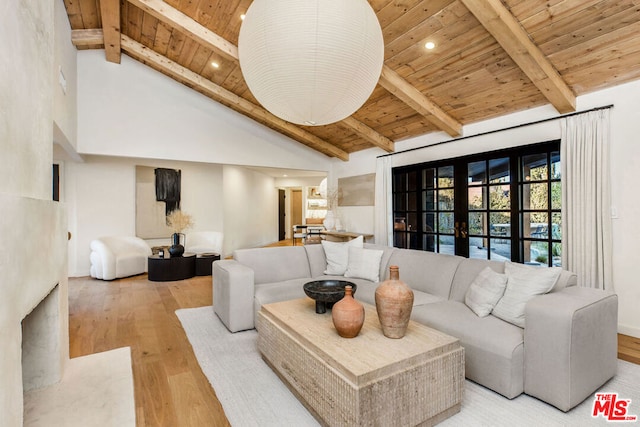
(296, 207)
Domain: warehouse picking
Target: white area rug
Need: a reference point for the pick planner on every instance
(95, 391)
(252, 395)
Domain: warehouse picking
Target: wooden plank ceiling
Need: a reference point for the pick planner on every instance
(492, 57)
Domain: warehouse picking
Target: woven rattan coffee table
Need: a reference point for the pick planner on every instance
(367, 380)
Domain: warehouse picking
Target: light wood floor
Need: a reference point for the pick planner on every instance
(170, 388)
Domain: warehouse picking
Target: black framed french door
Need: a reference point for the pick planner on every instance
(498, 205)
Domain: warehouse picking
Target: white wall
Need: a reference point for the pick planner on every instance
(250, 208)
(101, 196)
(64, 99)
(625, 164)
(130, 110)
(35, 261)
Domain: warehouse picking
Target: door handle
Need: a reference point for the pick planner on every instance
(460, 231)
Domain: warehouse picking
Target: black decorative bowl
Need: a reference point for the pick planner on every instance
(326, 292)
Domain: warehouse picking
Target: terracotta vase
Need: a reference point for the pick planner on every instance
(348, 315)
(394, 302)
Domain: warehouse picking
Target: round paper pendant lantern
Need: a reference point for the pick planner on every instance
(311, 62)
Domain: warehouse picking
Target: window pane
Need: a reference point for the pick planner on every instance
(429, 178)
(445, 222)
(477, 173)
(534, 167)
(499, 197)
(412, 221)
(412, 181)
(500, 249)
(400, 182)
(477, 249)
(556, 254)
(539, 253)
(446, 245)
(499, 170)
(477, 223)
(534, 196)
(445, 177)
(430, 200)
(401, 202)
(556, 226)
(556, 195)
(500, 224)
(400, 240)
(412, 201)
(555, 165)
(477, 198)
(535, 225)
(429, 242)
(429, 223)
(445, 200)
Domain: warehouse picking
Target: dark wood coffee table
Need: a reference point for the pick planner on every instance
(168, 269)
(204, 261)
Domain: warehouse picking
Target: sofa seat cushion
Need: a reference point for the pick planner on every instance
(494, 349)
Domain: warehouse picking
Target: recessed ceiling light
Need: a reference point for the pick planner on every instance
(429, 45)
(215, 65)
(242, 16)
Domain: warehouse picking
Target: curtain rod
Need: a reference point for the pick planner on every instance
(498, 130)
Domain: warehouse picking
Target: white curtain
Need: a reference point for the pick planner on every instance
(384, 207)
(586, 210)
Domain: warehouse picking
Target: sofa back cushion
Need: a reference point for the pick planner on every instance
(275, 264)
(466, 273)
(426, 271)
(317, 259)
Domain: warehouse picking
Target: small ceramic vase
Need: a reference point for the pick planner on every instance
(348, 315)
(394, 302)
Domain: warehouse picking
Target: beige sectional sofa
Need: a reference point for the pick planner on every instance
(567, 349)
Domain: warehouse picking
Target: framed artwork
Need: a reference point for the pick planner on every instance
(157, 195)
(357, 190)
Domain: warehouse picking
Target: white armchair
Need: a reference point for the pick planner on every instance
(114, 257)
(200, 242)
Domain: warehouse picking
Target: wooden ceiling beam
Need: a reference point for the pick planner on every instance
(369, 134)
(508, 32)
(87, 38)
(110, 13)
(190, 27)
(407, 93)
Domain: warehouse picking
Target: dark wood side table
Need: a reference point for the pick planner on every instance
(204, 261)
(168, 269)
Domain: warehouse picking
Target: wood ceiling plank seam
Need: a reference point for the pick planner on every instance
(187, 25)
(524, 9)
(149, 30)
(202, 60)
(554, 13)
(615, 51)
(187, 52)
(176, 43)
(218, 92)
(576, 34)
(134, 19)
(162, 39)
(412, 18)
(189, 8)
(89, 10)
(416, 36)
(74, 13)
(513, 38)
(232, 28)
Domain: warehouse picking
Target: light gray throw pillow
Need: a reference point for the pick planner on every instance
(485, 291)
(524, 282)
(364, 264)
(337, 254)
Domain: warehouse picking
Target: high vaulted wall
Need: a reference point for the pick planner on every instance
(33, 257)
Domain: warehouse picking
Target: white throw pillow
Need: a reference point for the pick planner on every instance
(485, 291)
(364, 264)
(524, 283)
(337, 254)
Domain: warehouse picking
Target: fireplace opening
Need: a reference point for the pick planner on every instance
(42, 362)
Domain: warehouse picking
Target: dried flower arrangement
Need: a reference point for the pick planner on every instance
(179, 221)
